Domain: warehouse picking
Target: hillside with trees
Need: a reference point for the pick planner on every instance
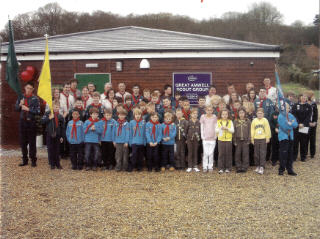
(262, 23)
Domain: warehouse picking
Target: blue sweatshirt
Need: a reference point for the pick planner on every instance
(286, 130)
(121, 136)
(72, 137)
(137, 135)
(157, 137)
(172, 133)
(91, 136)
(107, 134)
(267, 106)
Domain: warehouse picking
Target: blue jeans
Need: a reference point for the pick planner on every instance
(91, 148)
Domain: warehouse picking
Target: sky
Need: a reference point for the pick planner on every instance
(292, 10)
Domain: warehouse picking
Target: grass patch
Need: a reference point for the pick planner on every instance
(298, 88)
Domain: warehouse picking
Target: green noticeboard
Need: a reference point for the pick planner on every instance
(99, 79)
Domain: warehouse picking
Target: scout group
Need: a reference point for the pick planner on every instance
(130, 131)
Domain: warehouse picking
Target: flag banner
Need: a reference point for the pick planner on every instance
(281, 99)
(12, 66)
(44, 89)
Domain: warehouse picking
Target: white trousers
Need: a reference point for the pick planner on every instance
(208, 150)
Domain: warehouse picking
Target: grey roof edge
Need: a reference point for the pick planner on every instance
(266, 46)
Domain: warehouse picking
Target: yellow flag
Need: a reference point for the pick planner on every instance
(44, 89)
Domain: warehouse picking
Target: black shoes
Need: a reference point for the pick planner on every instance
(59, 167)
(23, 164)
(280, 173)
(52, 167)
(33, 164)
(292, 173)
(274, 163)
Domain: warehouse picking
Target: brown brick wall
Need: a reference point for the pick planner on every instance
(223, 71)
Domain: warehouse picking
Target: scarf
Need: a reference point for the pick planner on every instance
(74, 92)
(127, 108)
(85, 99)
(121, 122)
(137, 127)
(167, 129)
(105, 125)
(268, 89)
(98, 105)
(111, 102)
(235, 112)
(136, 100)
(158, 102)
(67, 99)
(177, 103)
(167, 107)
(92, 123)
(261, 102)
(74, 128)
(186, 114)
(122, 95)
(27, 97)
(56, 119)
(153, 132)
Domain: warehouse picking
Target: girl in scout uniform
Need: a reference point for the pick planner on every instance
(224, 130)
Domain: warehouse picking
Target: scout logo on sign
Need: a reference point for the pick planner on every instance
(192, 85)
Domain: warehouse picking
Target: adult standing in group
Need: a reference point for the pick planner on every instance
(86, 98)
(91, 88)
(212, 92)
(29, 107)
(73, 89)
(270, 90)
(302, 111)
(122, 93)
(66, 104)
(107, 102)
(107, 87)
(231, 90)
(167, 92)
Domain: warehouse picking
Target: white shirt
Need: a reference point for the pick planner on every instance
(102, 97)
(272, 94)
(226, 98)
(63, 102)
(106, 104)
(88, 102)
(123, 96)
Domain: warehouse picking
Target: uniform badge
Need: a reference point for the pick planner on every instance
(298, 107)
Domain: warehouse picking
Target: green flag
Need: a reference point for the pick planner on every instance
(12, 67)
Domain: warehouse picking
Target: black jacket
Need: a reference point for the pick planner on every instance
(34, 108)
(51, 128)
(302, 112)
(314, 114)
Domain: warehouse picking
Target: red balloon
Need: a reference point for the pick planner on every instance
(26, 76)
(31, 70)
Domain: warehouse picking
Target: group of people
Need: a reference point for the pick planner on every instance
(128, 131)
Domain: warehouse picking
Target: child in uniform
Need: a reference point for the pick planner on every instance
(153, 139)
(75, 138)
(181, 126)
(168, 138)
(242, 134)
(55, 130)
(92, 133)
(107, 148)
(224, 129)
(260, 137)
(121, 141)
(137, 140)
(193, 138)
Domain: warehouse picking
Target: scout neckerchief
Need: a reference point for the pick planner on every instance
(74, 128)
(121, 123)
(261, 101)
(154, 128)
(235, 112)
(105, 125)
(74, 92)
(98, 105)
(186, 114)
(27, 97)
(136, 100)
(167, 129)
(85, 99)
(268, 88)
(137, 127)
(127, 107)
(92, 123)
(56, 119)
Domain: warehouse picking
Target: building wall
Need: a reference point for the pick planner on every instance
(224, 70)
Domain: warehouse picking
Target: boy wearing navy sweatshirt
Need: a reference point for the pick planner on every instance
(55, 130)
(92, 133)
(107, 148)
(137, 140)
(168, 129)
(121, 141)
(75, 138)
(153, 139)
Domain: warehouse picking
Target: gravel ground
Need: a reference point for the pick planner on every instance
(43, 203)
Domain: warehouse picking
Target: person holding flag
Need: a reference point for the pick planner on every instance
(27, 104)
(287, 123)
